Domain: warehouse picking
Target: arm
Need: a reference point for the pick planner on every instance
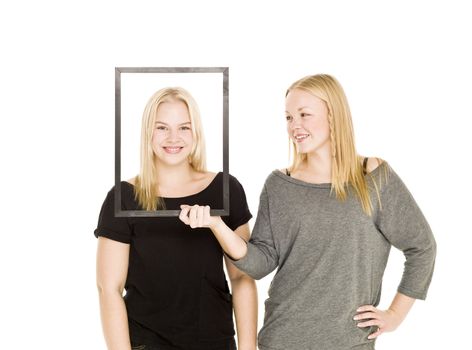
(232, 243)
(112, 268)
(402, 223)
(258, 257)
(199, 216)
(244, 293)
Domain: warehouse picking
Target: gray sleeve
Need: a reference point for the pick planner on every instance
(261, 257)
(402, 223)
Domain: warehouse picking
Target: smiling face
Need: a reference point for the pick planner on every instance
(307, 121)
(172, 138)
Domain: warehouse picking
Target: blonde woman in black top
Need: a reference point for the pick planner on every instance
(177, 296)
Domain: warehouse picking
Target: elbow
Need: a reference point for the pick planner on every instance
(241, 278)
(424, 252)
(432, 248)
(235, 258)
(260, 270)
(239, 254)
(105, 289)
(259, 274)
(258, 277)
(430, 245)
(259, 261)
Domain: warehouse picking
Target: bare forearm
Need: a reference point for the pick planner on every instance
(114, 321)
(401, 305)
(231, 243)
(245, 310)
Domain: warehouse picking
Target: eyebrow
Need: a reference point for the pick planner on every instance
(299, 109)
(157, 121)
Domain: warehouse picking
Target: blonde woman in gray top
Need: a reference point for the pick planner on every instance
(327, 223)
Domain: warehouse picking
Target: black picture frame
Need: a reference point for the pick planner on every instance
(119, 212)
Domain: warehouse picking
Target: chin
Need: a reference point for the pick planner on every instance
(172, 161)
(176, 162)
(306, 150)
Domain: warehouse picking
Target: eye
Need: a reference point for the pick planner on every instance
(288, 117)
(304, 115)
(161, 127)
(184, 128)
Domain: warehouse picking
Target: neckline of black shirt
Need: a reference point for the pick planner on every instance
(211, 184)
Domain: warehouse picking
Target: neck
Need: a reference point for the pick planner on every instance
(318, 164)
(174, 175)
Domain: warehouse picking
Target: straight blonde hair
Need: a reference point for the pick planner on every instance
(346, 163)
(146, 186)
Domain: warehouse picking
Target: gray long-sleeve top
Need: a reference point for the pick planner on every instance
(331, 258)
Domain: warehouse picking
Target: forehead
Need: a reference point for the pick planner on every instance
(173, 111)
(298, 98)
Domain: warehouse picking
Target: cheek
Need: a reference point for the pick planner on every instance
(321, 127)
(155, 138)
(325, 128)
(187, 137)
(158, 136)
(156, 141)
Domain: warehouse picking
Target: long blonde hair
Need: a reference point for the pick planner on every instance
(146, 186)
(346, 163)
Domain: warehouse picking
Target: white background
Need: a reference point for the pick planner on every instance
(137, 89)
(406, 69)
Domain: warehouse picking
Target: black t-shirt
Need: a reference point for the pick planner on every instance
(176, 290)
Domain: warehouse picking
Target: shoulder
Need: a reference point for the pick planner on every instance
(276, 178)
(124, 186)
(233, 181)
(217, 180)
(389, 182)
(276, 173)
(378, 170)
(131, 181)
(237, 194)
(373, 163)
(127, 193)
(284, 171)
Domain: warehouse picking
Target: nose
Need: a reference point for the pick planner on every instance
(296, 123)
(173, 135)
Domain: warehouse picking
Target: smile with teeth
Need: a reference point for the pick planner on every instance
(172, 149)
(301, 137)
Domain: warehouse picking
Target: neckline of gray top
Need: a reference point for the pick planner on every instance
(284, 176)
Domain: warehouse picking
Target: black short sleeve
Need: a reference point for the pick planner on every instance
(239, 213)
(109, 226)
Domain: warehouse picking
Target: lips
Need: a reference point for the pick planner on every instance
(301, 137)
(172, 150)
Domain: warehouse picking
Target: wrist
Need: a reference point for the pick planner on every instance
(216, 223)
(396, 317)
